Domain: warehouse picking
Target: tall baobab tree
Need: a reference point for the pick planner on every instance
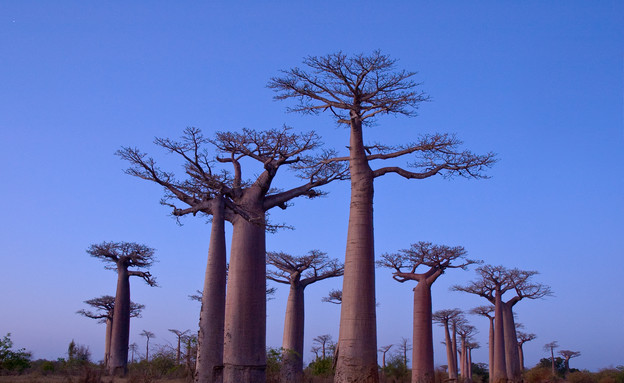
(384, 350)
(522, 339)
(298, 272)
(444, 318)
(242, 315)
(434, 260)
(147, 335)
(465, 332)
(123, 257)
(488, 312)
(551, 347)
(469, 347)
(179, 334)
(494, 282)
(567, 355)
(324, 342)
(105, 306)
(357, 90)
(404, 346)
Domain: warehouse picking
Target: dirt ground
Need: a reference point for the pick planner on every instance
(78, 379)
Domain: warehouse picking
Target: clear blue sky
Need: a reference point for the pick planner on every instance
(539, 83)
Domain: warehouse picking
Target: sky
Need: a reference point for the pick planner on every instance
(539, 83)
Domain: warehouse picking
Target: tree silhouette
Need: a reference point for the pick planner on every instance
(383, 351)
(551, 347)
(522, 339)
(488, 312)
(241, 315)
(434, 260)
(356, 90)
(493, 283)
(298, 273)
(334, 296)
(567, 355)
(445, 317)
(147, 335)
(123, 256)
(105, 306)
(465, 332)
(134, 348)
(179, 334)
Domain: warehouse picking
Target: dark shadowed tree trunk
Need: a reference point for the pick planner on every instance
(422, 352)
(512, 359)
(209, 363)
(292, 343)
(500, 365)
(488, 311)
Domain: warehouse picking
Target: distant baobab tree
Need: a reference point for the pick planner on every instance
(179, 334)
(522, 339)
(466, 333)
(244, 203)
(324, 342)
(434, 261)
(123, 256)
(384, 350)
(147, 335)
(493, 283)
(444, 318)
(551, 347)
(488, 312)
(105, 306)
(334, 296)
(470, 345)
(298, 272)
(357, 90)
(134, 348)
(567, 355)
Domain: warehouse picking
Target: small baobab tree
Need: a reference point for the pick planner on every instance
(148, 335)
(522, 339)
(124, 257)
(134, 348)
(444, 318)
(357, 90)
(488, 312)
(551, 347)
(567, 355)
(324, 342)
(384, 350)
(105, 306)
(179, 334)
(493, 283)
(434, 260)
(298, 272)
(466, 333)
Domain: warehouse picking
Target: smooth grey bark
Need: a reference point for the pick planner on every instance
(422, 351)
(491, 349)
(107, 342)
(512, 359)
(500, 364)
(292, 343)
(209, 363)
(120, 335)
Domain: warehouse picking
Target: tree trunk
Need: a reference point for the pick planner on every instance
(521, 356)
(422, 342)
(454, 346)
(452, 368)
(244, 354)
(120, 336)
(512, 360)
(462, 360)
(357, 359)
(178, 352)
(491, 350)
(552, 360)
(469, 365)
(107, 342)
(209, 363)
(147, 350)
(292, 358)
(500, 366)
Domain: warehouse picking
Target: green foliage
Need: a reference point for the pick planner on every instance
(539, 374)
(274, 364)
(321, 367)
(560, 369)
(480, 373)
(12, 360)
(395, 369)
(581, 377)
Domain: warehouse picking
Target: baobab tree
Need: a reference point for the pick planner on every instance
(434, 260)
(444, 318)
(488, 312)
(465, 332)
(298, 272)
(567, 355)
(357, 90)
(122, 257)
(105, 306)
(494, 282)
(134, 348)
(147, 335)
(551, 347)
(404, 346)
(384, 350)
(522, 339)
(241, 316)
(469, 347)
(324, 342)
(179, 334)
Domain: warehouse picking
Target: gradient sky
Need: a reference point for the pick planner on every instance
(539, 83)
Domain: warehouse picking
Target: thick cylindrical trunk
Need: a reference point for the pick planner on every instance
(512, 360)
(292, 343)
(462, 360)
(244, 353)
(422, 342)
(469, 365)
(209, 363)
(500, 366)
(357, 357)
(491, 350)
(107, 342)
(450, 358)
(120, 336)
(521, 356)
(454, 347)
